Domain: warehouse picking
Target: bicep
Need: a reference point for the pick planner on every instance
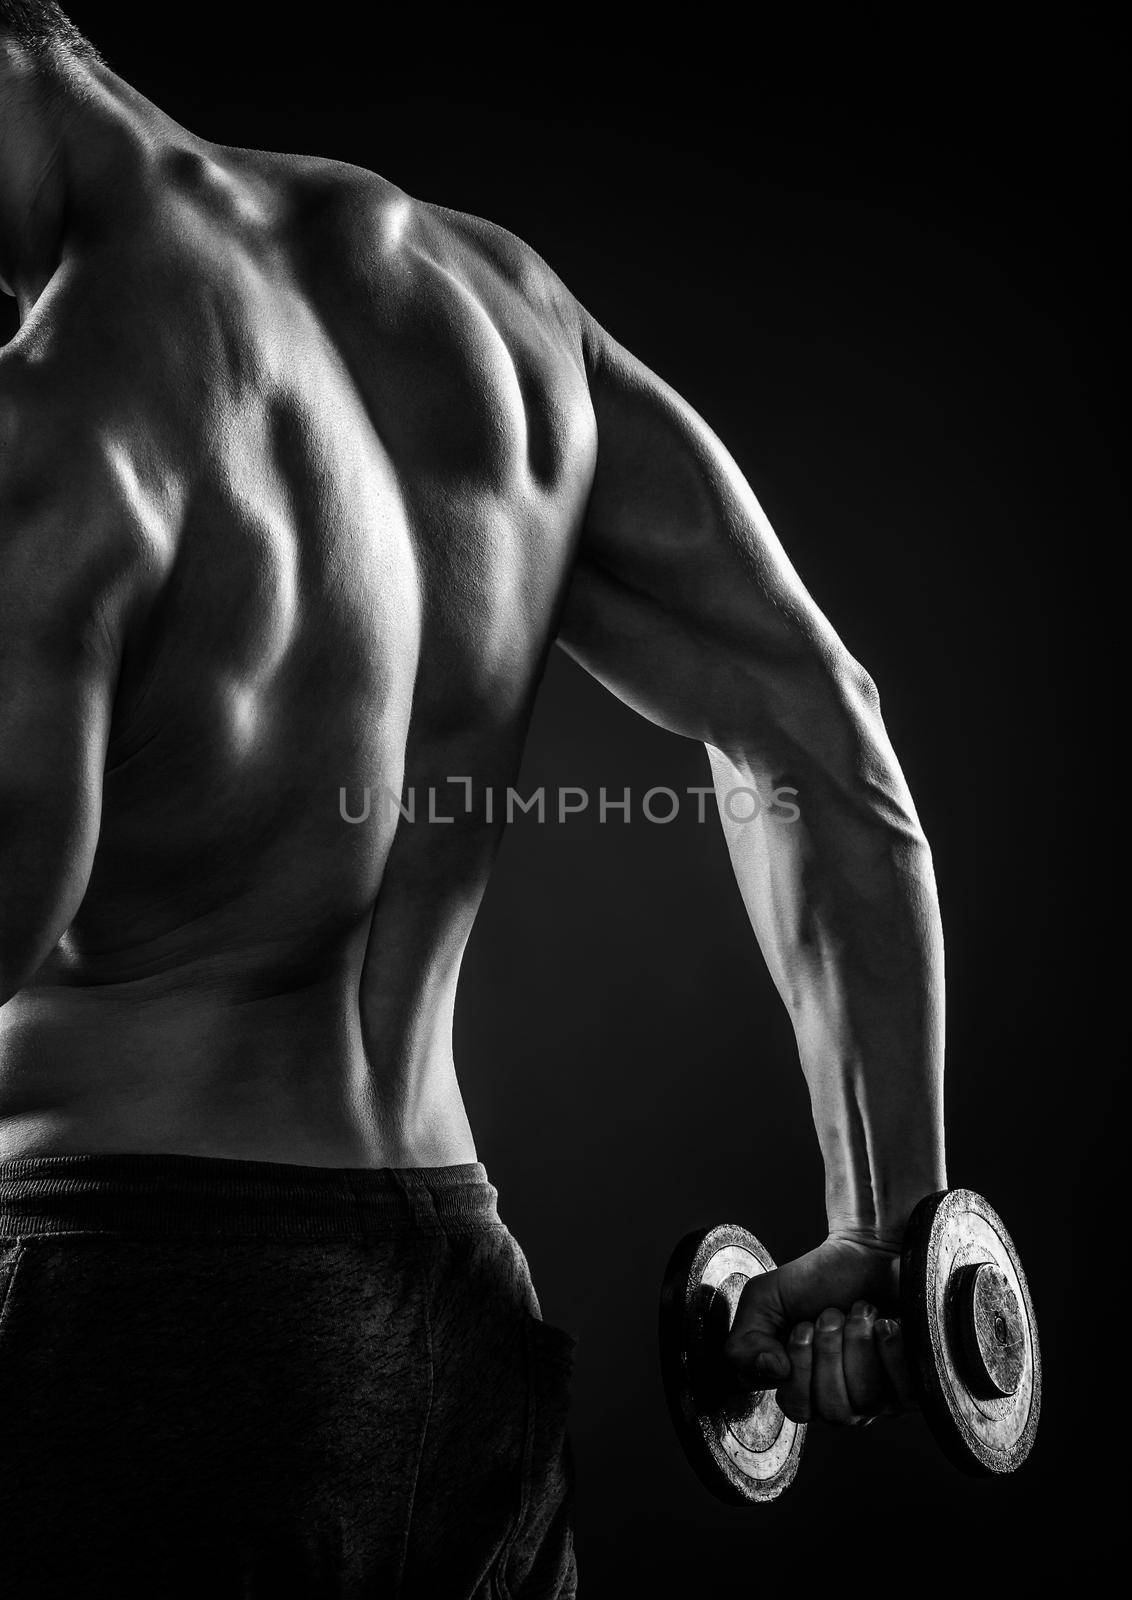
(683, 600)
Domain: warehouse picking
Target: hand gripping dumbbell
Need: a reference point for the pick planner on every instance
(969, 1332)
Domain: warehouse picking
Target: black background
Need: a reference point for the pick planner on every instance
(882, 264)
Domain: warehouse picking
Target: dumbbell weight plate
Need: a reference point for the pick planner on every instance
(741, 1444)
(970, 1332)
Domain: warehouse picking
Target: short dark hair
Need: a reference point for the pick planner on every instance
(39, 25)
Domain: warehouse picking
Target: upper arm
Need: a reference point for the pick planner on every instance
(66, 558)
(683, 600)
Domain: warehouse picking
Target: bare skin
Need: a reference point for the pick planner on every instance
(300, 479)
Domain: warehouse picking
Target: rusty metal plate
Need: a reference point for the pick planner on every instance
(742, 1446)
(970, 1331)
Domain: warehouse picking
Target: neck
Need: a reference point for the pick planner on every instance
(73, 140)
(35, 110)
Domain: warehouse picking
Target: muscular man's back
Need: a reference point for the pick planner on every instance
(326, 451)
(299, 478)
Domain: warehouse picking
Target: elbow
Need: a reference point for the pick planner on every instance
(866, 767)
(855, 688)
(816, 728)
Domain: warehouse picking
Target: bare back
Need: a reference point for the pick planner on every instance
(348, 442)
(299, 479)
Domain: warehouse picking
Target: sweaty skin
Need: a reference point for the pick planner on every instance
(300, 480)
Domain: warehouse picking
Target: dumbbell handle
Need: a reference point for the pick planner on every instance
(985, 1328)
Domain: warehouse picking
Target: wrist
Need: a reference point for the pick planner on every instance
(886, 1240)
(883, 1225)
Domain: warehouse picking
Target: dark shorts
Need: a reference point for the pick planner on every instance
(229, 1378)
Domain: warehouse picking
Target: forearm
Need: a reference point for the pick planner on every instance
(844, 906)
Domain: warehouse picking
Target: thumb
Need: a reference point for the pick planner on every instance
(755, 1347)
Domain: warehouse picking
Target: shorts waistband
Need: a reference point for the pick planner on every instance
(173, 1194)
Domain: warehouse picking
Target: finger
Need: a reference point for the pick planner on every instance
(829, 1398)
(865, 1380)
(771, 1366)
(794, 1394)
(758, 1362)
(890, 1344)
(755, 1347)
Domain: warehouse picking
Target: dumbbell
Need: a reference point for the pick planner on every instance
(969, 1333)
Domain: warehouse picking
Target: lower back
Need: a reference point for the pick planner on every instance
(214, 1064)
